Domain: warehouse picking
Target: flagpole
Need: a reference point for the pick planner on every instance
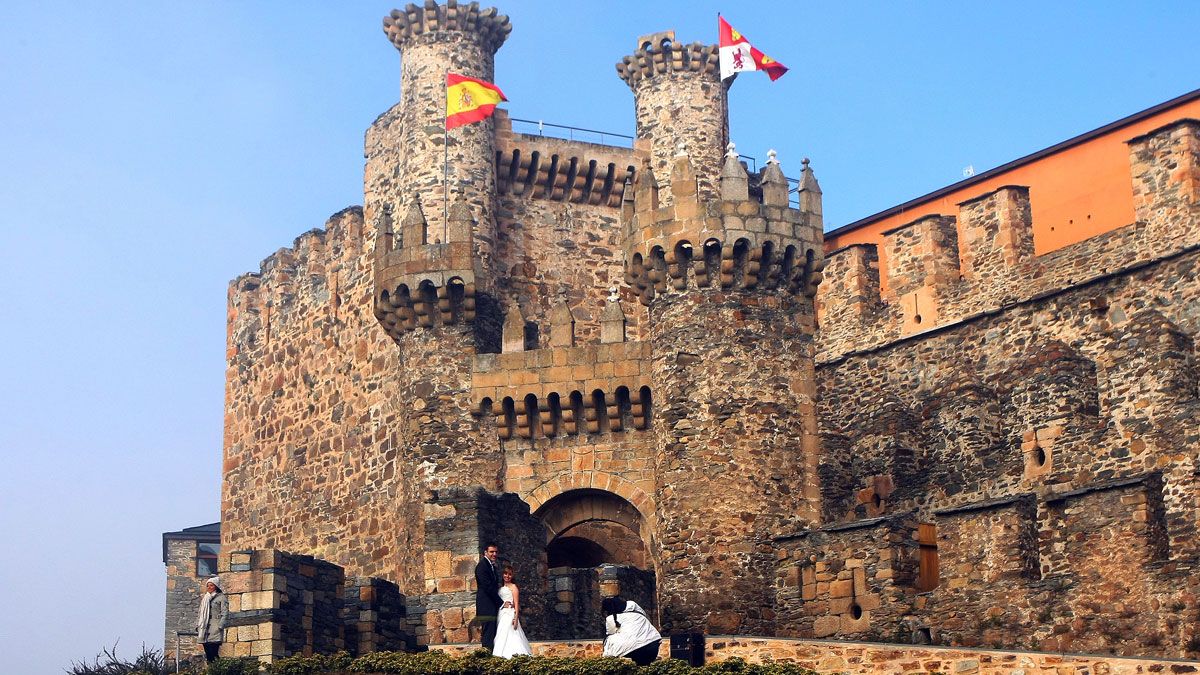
(446, 182)
(446, 177)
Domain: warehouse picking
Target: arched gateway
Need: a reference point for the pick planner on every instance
(589, 527)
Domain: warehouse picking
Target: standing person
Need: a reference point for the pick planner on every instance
(210, 624)
(629, 631)
(510, 637)
(487, 594)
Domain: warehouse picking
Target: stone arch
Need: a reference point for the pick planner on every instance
(588, 527)
(599, 480)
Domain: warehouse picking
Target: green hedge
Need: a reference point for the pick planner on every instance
(480, 662)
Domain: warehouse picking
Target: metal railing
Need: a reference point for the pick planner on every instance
(570, 132)
(179, 634)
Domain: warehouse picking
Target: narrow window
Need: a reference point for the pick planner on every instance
(206, 559)
(927, 576)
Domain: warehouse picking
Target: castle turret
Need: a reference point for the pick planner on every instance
(681, 105)
(728, 274)
(435, 232)
(415, 166)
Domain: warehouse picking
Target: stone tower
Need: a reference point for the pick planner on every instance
(680, 103)
(434, 258)
(728, 271)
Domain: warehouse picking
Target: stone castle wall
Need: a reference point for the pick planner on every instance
(864, 658)
(986, 453)
(312, 462)
(184, 589)
(1035, 411)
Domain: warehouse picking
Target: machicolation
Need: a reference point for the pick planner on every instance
(649, 371)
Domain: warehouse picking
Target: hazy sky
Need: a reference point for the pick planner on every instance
(150, 152)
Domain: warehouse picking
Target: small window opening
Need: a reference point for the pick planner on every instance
(206, 559)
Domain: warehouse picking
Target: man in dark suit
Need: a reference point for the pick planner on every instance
(487, 593)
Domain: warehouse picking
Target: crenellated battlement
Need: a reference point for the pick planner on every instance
(423, 278)
(942, 269)
(309, 267)
(660, 56)
(745, 239)
(405, 25)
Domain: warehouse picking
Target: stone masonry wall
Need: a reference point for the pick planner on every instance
(1036, 421)
(281, 604)
(312, 463)
(184, 589)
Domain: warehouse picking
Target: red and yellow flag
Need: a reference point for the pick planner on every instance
(738, 55)
(469, 100)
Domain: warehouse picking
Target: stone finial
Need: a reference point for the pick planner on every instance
(458, 228)
(735, 183)
(387, 238)
(774, 183)
(810, 190)
(645, 194)
(402, 25)
(680, 149)
(612, 320)
(562, 326)
(731, 150)
(414, 225)
(512, 337)
(683, 178)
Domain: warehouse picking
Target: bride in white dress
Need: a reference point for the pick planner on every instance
(510, 637)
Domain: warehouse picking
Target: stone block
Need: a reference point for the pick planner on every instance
(841, 588)
(438, 564)
(825, 626)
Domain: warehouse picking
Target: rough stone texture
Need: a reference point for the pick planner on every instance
(281, 604)
(991, 453)
(855, 658)
(1044, 425)
(184, 589)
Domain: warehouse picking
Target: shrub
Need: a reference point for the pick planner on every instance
(245, 665)
(149, 662)
(481, 662)
(310, 665)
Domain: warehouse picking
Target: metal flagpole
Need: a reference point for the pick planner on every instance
(446, 181)
(446, 168)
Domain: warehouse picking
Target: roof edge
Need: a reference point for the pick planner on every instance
(1019, 162)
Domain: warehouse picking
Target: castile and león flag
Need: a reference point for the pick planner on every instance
(738, 55)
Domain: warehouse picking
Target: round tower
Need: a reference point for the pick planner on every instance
(433, 251)
(411, 158)
(681, 105)
(729, 284)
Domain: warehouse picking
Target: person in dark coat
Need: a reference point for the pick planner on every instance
(487, 594)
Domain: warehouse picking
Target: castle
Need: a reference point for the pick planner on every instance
(650, 371)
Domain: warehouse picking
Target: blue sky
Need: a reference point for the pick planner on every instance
(150, 152)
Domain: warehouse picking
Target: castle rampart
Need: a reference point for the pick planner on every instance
(681, 107)
(645, 357)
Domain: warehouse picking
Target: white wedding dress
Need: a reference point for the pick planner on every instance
(510, 641)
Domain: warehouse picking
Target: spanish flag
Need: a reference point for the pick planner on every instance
(738, 55)
(469, 100)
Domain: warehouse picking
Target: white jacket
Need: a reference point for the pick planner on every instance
(635, 631)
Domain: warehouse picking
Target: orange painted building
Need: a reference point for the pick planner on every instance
(1077, 189)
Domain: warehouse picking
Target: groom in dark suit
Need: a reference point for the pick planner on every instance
(487, 593)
